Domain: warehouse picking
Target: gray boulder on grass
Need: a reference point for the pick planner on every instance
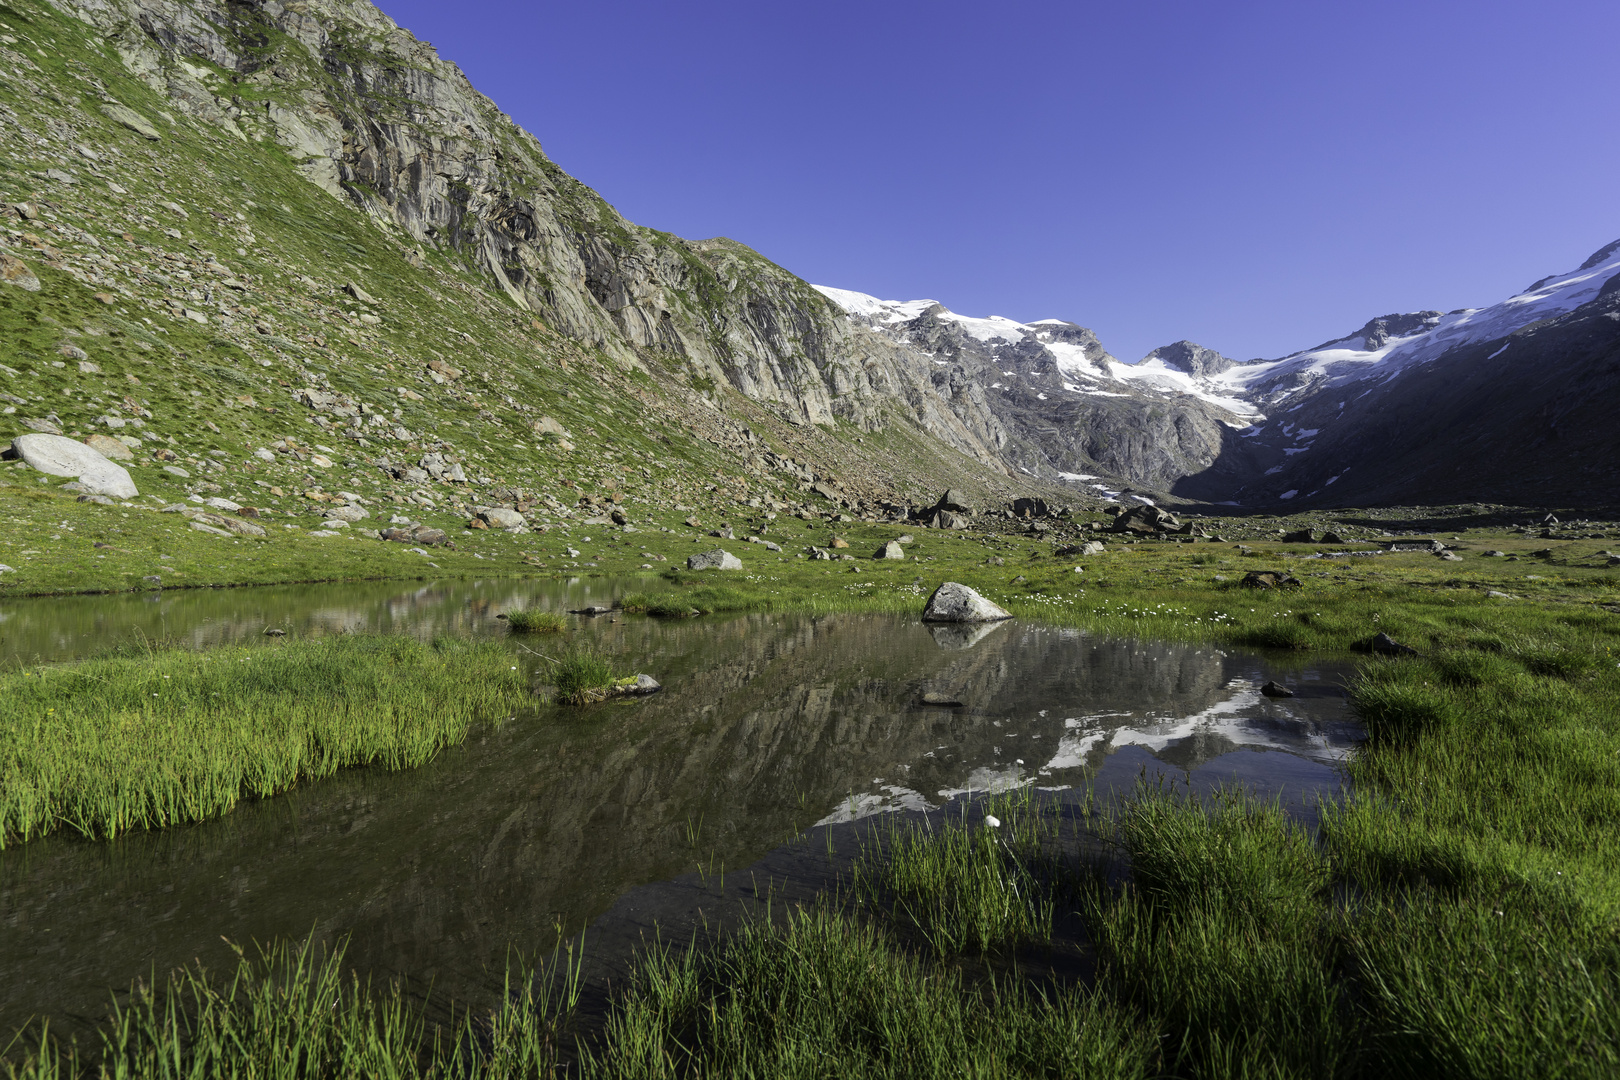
(956, 603)
(891, 550)
(718, 559)
(58, 455)
(502, 517)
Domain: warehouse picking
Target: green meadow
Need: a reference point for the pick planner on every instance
(1457, 915)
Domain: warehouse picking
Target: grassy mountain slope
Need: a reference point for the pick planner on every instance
(208, 289)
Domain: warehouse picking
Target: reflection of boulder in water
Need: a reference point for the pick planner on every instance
(962, 635)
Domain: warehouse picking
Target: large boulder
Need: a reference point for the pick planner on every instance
(1029, 508)
(946, 519)
(891, 550)
(718, 559)
(955, 501)
(953, 602)
(1146, 518)
(58, 455)
(502, 517)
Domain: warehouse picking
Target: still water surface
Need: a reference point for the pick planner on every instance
(769, 725)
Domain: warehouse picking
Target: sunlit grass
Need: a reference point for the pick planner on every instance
(101, 747)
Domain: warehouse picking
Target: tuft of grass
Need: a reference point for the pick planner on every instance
(536, 621)
(290, 1010)
(968, 885)
(579, 672)
(823, 995)
(102, 747)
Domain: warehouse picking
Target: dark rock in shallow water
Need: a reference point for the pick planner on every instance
(1275, 690)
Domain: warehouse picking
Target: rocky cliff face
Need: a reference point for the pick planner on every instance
(377, 119)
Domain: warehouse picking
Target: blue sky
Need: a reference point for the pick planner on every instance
(1256, 177)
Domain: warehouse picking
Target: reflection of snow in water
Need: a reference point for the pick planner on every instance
(871, 802)
(1245, 719)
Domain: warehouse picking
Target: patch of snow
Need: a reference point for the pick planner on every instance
(1075, 476)
(1289, 494)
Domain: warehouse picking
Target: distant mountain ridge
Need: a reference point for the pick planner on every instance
(1189, 421)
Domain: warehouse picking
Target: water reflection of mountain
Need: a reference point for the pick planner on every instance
(768, 724)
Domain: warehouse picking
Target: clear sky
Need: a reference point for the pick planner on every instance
(1254, 176)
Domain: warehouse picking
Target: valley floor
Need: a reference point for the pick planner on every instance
(1458, 915)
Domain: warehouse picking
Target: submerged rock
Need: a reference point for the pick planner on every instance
(1276, 690)
(954, 602)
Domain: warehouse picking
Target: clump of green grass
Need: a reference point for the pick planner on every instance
(967, 885)
(104, 746)
(659, 607)
(1222, 933)
(579, 673)
(823, 995)
(290, 1010)
(536, 621)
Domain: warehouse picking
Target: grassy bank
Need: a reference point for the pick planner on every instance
(1459, 916)
(170, 736)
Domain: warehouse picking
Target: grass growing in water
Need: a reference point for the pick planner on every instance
(823, 995)
(104, 746)
(579, 673)
(535, 621)
(969, 886)
(289, 1011)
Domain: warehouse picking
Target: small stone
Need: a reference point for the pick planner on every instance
(13, 271)
(1275, 690)
(1497, 595)
(955, 602)
(320, 461)
(891, 550)
(210, 529)
(1384, 645)
(223, 504)
(175, 470)
(718, 559)
(350, 513)
(131, 119)
(946, 701)
(109, 447)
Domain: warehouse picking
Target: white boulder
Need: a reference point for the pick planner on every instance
(58, 455)
(956, 603)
